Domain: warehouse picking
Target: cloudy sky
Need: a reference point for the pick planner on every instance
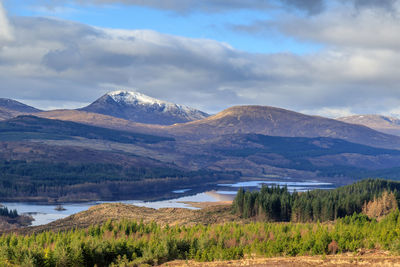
(330, 58)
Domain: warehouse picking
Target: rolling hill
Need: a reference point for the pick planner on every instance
(280, 122)
(241, 120)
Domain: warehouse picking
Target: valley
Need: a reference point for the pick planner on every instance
(84, 155)
(107, 168)
(199, 133)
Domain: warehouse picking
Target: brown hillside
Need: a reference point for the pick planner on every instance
(280, 122)
(215, 213)
(241, 119)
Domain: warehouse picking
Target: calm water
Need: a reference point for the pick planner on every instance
(292, 186)
(44, 214)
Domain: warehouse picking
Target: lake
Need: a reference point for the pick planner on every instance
(44, 213)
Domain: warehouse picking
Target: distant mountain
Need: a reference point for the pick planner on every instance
(280, 122)
(10, 108)
(16, 106)
(385, 124)
(138, 107)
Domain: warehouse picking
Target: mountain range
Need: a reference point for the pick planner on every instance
(127, 143)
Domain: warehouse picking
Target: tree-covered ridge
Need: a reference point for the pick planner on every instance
(304, 153)
(300, 147)
(133, 243)
(278, 204)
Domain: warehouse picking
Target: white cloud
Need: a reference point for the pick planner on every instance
(56, 60)
(342, 26)
(6, 31)
(330, 112)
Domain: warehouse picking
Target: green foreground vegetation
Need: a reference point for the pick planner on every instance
(278, 204)
(129, 242)
(374, 224)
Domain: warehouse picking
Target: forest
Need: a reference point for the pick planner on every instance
(299, 152)
(121, 243)
(4, 211)
(278, 204)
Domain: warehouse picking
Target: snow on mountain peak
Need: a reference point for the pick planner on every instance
(130, 97)
(136, 98)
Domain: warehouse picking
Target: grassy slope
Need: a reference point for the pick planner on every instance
(28, 127)
(99, 214)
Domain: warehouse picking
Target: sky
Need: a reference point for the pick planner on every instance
(330, 58)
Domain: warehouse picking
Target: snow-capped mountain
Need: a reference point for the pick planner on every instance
(138, 107)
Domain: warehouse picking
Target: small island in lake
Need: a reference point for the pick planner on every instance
(59, 208)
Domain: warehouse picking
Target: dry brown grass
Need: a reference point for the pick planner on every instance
(213, 213)
(372, 259)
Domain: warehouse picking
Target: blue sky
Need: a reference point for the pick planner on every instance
(329, 58)
(215, 25)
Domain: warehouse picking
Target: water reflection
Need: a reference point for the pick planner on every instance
(295, 185)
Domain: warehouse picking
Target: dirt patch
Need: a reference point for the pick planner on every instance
(373, 259)
(203, 205)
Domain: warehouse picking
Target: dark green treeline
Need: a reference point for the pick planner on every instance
(278, 204)
(4, 211)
